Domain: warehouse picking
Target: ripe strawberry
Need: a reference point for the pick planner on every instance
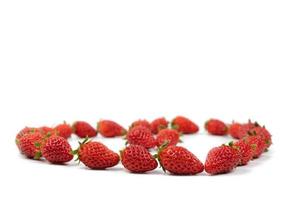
(24, 131)
(264, 133)
(137, 159)
(64, 130)
(141, 135)
(140, 122)
(30, 144)
(158, 124)
(184, 125)
(96, 155)
(45, 130)
(216, 127)
(238, 131)
(257, 142)
(83, 129)
(56, 149)
(245, 149)
(179, 160)
(109, 128)
(171, 136)
(222, 159)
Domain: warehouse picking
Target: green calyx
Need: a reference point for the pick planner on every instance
(160, 149)
(76, 151)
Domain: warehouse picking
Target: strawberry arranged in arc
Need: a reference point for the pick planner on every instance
(64, 130)
(96, 155)
(83, 129)
(56, 149)
(140, 122)
(245, 149)
(171, 136)
(137, 159)
(141, 135)
(222, 159)
(30, 144)
(108, 128)
(184, 125)
(216, 127)
(178, 160)
(158, 124)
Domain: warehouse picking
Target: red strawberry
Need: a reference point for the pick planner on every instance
(238, 131)
(159, 124)
(30, 144)
(56, 149)
(109, 128)
(171, 136)
(265, 134)
(222, 159)
(45, 130)
(83, 129)
(137, 159)
(257, 142)
(141, 122)
(141, 135)
(216, 127)
(180, 161)
(246, 151)
(23, 132)
(64, 130)
(96, 155)
(184, 125)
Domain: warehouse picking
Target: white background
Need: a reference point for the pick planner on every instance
(124, 60)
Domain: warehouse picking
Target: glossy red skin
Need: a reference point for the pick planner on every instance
(64, 130)
(141, 122)
(184, 125)
(239, 131)
(257, 142)
(108, 128)
(83, 129)
(137, 159)
(96, 155)
(24, 131)
(158, 124)
(57, 150)
(222, 159)
(45, 130)
(28, 142)
(140, 135)
(167, 135)
(265, 134)
(180, 161)
(246, 151)
(216, 127)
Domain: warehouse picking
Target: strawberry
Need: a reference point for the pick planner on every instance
(184, 125)
(222, 159)
(64, 130)
(56, 149)
(141, 135)
(30, 144)
(45, 130)
(245, 149)
(140, 122)
(171, 136)
(178, 160)
(108, 128)
(264, 133)
(24, 131)
(96, 155)
(158, 124)
(257, 142)
(137, 159)
(216, 127)
(83, 129)
(238, 131)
